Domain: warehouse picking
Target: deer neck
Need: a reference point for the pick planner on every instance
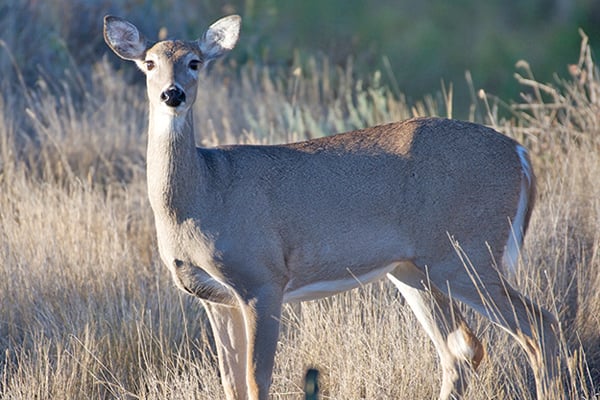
(174, 167)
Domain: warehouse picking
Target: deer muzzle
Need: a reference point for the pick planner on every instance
(173, 96)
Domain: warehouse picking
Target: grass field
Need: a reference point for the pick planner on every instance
(87, 310)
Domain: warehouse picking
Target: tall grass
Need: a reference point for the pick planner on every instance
(88, 311)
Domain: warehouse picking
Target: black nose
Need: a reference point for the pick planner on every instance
(173, 96)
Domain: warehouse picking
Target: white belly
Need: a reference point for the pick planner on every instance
(321, 289)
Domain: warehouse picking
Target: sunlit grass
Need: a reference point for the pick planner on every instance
(88, 311)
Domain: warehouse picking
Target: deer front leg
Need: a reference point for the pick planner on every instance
(246, 340)
(229, 331)
(262, 311)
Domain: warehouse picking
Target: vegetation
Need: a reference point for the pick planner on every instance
(87, 310)
(414, 44)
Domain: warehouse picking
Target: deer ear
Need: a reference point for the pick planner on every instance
(220, 37)
(124, 38)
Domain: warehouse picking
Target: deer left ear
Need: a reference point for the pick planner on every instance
(124, 38)
(220, 37)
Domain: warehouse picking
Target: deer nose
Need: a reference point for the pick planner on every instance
(173, 96)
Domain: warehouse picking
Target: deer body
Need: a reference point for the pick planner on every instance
(246, 228)
(367, 207)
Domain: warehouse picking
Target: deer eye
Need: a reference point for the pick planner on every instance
(194, 65)
(149, 65)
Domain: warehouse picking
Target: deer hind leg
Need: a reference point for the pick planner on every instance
(536, 331)
(458, 348)
(479, 284)
(534, 328)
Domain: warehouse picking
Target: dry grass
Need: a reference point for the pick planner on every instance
(88, 311)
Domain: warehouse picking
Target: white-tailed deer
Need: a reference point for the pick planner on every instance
(247, 228)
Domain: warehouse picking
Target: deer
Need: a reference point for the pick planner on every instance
(247, 228)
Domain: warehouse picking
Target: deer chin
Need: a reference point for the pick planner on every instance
(180, 110)
(169, 119)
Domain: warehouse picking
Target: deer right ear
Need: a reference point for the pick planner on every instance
(124, 38)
